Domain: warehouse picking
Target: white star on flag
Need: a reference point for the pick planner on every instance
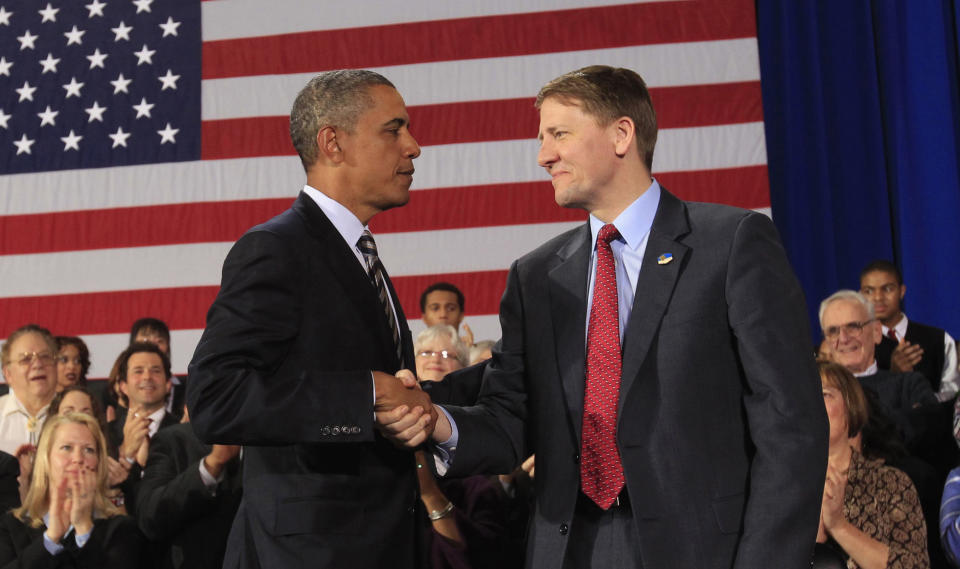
(4, 118)
(142, 5)
(143, 109)
(119, 138)
(95, 112)
(169, 27)
(96, 8)
(5, 66)
(74, 36)
(72, 88)
(120, 84)
(121, 32)
(49, 13)
(47, 117)
(26, 92)
(49, 64)
(71, 141)
(168, 134)
(169, 81)
(96, 59)
(4, 16)
(26, 40)
(23, 145)
(145, 55)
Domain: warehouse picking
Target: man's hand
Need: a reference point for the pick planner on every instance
(218, 458)
(905, 356)
(135, 443)
(404, 413)
(467, 336)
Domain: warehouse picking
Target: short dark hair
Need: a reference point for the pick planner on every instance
(609, 93)
(885, 266)
(136, 348)
(441, 286)
(148, 324)
(82, 351)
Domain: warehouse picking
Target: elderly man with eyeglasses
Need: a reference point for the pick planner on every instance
(29, 367)
(852, 332)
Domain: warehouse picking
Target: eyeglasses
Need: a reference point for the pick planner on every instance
(853, 329)
(26, 359)
(444, 354)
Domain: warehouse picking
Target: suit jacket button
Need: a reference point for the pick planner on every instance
(564, 529)
(335, 431)
(325, 430)
(356, 430)
(576, 458)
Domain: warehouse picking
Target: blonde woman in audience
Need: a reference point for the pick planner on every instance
(66, 519)
(870, 512)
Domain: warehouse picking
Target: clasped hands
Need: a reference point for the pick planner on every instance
(404, 412)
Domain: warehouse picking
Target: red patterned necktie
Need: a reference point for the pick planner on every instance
(892, 334)
(601, 472)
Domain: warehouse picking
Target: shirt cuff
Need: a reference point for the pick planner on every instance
(208, 479)
(82, 539)
(444, 452)
(51, 547)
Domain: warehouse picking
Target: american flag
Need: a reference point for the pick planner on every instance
(139, 139)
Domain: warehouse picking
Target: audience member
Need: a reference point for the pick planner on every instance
(443, 303)
(9, 483)
(29, 368)
(73, 362)
(907, 345)
(850, 326)
(144, 379)
(188, 498)
(155, 331)
(481, 351)
(870, 511)
(439, 351)
(950, 517)
(66, 519)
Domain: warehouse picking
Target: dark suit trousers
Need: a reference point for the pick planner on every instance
(603, 539)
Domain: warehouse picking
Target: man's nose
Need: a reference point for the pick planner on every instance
(547, 154)
(412, 148)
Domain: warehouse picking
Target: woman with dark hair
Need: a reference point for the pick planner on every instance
(73, 362)
(66, 519)
(870, 512)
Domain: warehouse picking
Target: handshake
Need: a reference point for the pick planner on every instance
(404, 412)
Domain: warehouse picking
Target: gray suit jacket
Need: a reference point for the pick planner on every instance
(721, 423)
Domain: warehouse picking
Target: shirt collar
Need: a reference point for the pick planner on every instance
(635, 221)
(12, 405)
(872, 370)
(900, 327)
(346, 223)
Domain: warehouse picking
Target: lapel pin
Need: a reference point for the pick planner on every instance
(665, 258)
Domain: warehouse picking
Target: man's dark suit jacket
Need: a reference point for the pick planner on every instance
(177, 511)
(930, 339)
(283, 368)
(131, 485)
(115, 543)
(721, 424)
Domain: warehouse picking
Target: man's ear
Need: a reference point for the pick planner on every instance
(877, 331)
(624, 135)
(328, 145)
(903, 291)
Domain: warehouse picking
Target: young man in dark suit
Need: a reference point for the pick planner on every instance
(300, 343)
(657, 359)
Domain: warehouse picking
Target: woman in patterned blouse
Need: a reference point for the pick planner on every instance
(869, 511)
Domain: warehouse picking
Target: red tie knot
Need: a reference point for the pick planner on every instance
(608, 233)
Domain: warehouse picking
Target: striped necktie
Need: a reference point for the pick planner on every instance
(368, 247)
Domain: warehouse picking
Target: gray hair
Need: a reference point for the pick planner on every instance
(446, 332)
(847, 294)
(333, 98)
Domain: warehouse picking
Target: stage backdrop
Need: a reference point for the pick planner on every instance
(138, 140)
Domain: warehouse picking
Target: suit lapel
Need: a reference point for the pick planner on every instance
(568, 304)
(343, 265)
(654, 288)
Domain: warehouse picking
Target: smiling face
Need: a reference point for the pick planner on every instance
(378, 155)
(31, 371)
(578, 153)
(146, 383)
(434, 367)
(73, 449)
(854, 351)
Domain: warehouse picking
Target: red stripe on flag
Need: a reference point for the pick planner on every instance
(435, 209)
(186, 307)
(506, 119)
(480, 37)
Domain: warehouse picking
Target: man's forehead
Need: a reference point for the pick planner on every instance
(882, 277)
(441, 296)
(844, 309)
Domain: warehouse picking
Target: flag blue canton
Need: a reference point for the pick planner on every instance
(106, 83)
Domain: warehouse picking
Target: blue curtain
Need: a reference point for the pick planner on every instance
(862, 109)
